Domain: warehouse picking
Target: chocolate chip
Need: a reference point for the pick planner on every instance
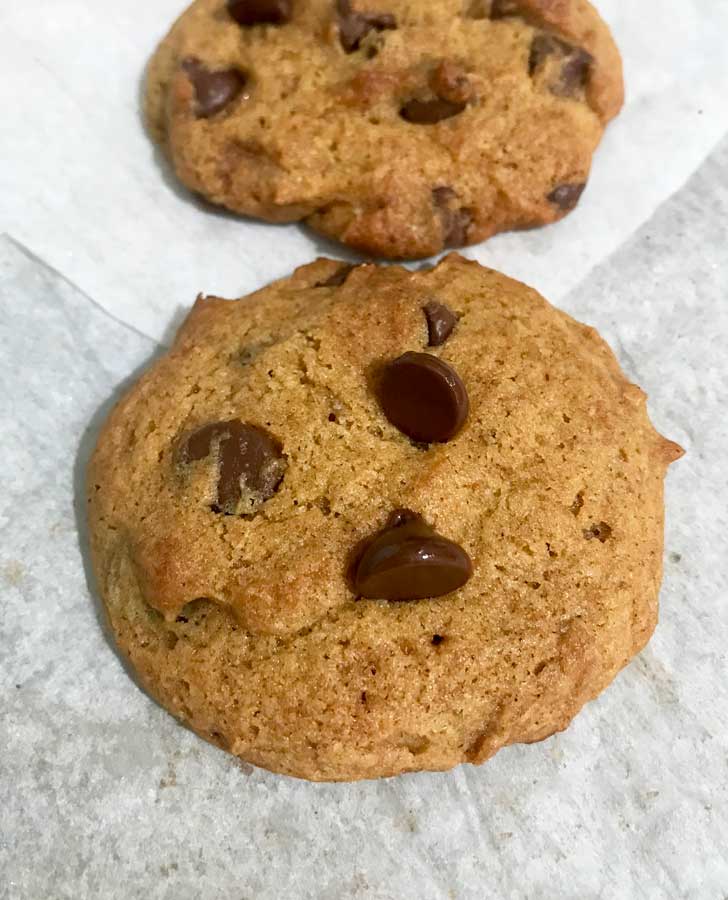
(456, 227)
(409, 560)
(429, 112)
(402, 517)
(260, 12)
(452, 88)
(502, 9)
(574, 72)
(455, 219)
(213, 90)
(567, 65)
(337, 279)
(424, 397)
(250, 462)
(566, 196)
(440, 322)
(355, 26)
(450, 81)
(542, 46)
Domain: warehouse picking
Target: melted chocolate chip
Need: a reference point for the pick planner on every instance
(424, 397)
(456, 227)
(260, 12)
(213, 90)
(440, 322)
(429, 112)
(566, 196)
(355, 26)
(574, 72)
(337, 279)
(409, 560)
(455, 220)
(249, 460)
(569, 66)
(542, 46)
(451, 85)
(450, 81)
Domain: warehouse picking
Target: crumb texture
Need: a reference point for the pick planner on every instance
(223, 552)
(398, 127)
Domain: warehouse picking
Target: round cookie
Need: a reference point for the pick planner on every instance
(275, 504)
(395, 126)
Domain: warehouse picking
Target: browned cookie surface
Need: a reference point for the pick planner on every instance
(398, 127)
(310, 586)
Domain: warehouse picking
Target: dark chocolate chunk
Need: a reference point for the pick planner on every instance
(409, 560)
(566, 196)
(213, 90)
(338, 278)
(440, 322)
(355, 26)
(249, 460)
(260, 12)
(424, 397)
(429, 112)
(455, 219)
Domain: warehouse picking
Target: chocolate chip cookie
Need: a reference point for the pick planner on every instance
(397, 127)
(369, 520)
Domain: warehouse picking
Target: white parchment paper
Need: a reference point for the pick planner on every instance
(102, 794)
(82, 186)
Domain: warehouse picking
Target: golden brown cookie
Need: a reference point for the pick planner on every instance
(369, 520)
(397, 126)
